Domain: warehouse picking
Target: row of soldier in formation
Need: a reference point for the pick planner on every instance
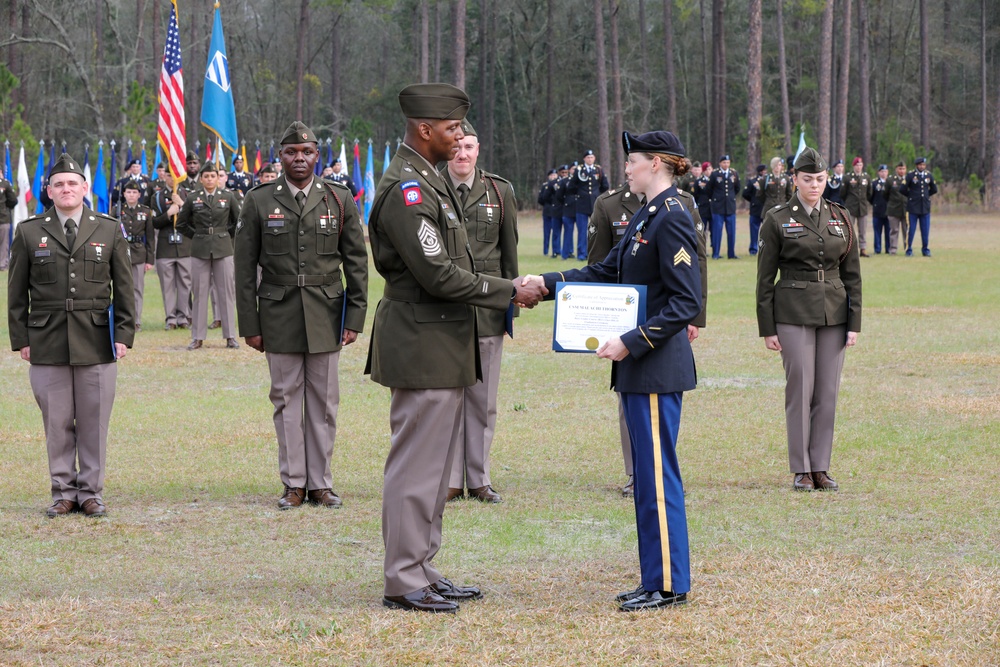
(886, 199)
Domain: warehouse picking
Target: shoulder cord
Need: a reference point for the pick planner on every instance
(340, 207)
(850, 234)
(499, 198)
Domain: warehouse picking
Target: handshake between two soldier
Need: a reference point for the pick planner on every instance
(530, 290)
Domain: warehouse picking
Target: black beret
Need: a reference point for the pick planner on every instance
(192, 157)
(653, 142)
(436, 101)
(552, 171)
(297, 133)
(920, 160)
(66, 165)
(761, 168)
(725, 157)
(838, 162)
(131, 185)
(237, 158)
(587, 152)
(810, 161)
(564, 167)
(336, 160)
(467, 129)
(883, 166)
(131, 163)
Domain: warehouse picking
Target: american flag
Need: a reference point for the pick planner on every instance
(171, 127)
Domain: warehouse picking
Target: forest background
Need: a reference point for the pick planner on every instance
(884, 79)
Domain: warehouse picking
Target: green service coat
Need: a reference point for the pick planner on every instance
(58, 298)
(792, 246)
(491, 223)
(138, 225)
(210, 226)
(424, 335)
(857, 190)
(305, 259)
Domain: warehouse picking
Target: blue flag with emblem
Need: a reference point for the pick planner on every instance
(100, 185)
(385, 160)
(218, 110)
(6, 162)
(369, 182)
(36, 186)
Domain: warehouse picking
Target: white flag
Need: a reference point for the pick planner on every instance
(802, 144)
(23, 192)
(343, 159)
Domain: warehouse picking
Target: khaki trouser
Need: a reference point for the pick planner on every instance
(894, 226)
(218, 273)
(306, 394)
(426, 424)
(175, 283)
(863, 222)
(813, 358)
(76, 404)
(138, 289)
(471, 464)
(4, 246)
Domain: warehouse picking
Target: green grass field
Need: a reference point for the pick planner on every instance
(195, 566)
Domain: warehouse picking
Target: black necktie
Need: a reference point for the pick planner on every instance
(70, 232)
(463, 193)
(300, 199)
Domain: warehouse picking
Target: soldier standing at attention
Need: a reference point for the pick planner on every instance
(879, 198)
(809, 310)
(918, 188)
(6, 205)
(587, 183)
(424, 345)
(857, 189)
(68, 265)
(137, 222)
(753, 192)
(834, 191)
(551, 225)
(173, 256)
(777, 186)
(490, 210)
(208, 217)
(133, 175)
(723, 185)
(896, 208)
(338, 176)
(569, 197)
(703, 196)
(237, 178)
(303, 233)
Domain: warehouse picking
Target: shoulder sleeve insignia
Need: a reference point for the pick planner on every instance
(411, 192)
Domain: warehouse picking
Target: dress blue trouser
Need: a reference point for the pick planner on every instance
(718, 221)
(582, 220)
(567, 236)
(925, 231)
(660, 519)
(755, 221)
(551, 229)
(881, 228)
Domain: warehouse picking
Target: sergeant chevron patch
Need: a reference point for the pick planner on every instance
(682, 256)
(429, 241)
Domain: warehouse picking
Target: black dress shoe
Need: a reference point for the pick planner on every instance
(803, 482)
(485, 494)
(654, 600)
(630, 595)
(629, 489)
(423, 600)
(449, 591)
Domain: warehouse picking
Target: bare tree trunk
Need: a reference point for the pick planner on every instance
(157, 45)
(550, 66)
(994, 177)
(864, 78)
(719, 77)
(458, 23)
(300, 55)
(707, 83)
(336, 84)
(668, 63)
(615, 164)
(786, 112)
(140, 69)
(983, 73)
(424, 41)
(943, 79)
(845, 78)
(438, 23)
(754, 85)
(98, 43)
(604, 144)
(12, 52)
(925, 78)
(489, 99)
(644, 67)
(825, 57)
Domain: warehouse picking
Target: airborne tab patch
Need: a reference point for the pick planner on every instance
(411, 192)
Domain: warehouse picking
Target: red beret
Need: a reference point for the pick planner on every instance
(856, 161)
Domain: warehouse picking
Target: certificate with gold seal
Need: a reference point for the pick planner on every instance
(589, 314)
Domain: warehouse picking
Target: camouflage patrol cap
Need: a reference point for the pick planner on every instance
(436, 101)
(810, 161)
(468, 130)
(298, 133)
(66, 165)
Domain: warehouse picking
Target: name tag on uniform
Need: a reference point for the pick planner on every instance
(276, 223)
(43, 253)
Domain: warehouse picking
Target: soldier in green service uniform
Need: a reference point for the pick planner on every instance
(137, 222)
(304, 234)
(896, 208)
(424, 342)
(809, 310)
(208, 217)
(68, 265)
(490, 211)
(8, 200)
(857, 190)
(613, 211)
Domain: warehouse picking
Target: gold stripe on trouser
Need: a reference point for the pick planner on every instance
(661, 504)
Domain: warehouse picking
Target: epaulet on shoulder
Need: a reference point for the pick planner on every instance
(674, 203)
(778, 207)
(838, 206)
(496, 177)
(104, 216)
(260, 186)
(337, 184)
(35, 218)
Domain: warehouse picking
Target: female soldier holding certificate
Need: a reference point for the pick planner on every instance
(653, 363)
(811, 314)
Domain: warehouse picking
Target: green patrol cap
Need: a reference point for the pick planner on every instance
(468, 130)
(436, 101)
(208, 166)
(298, 133)
(810, 161)
(131, 185)
(66, 165)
